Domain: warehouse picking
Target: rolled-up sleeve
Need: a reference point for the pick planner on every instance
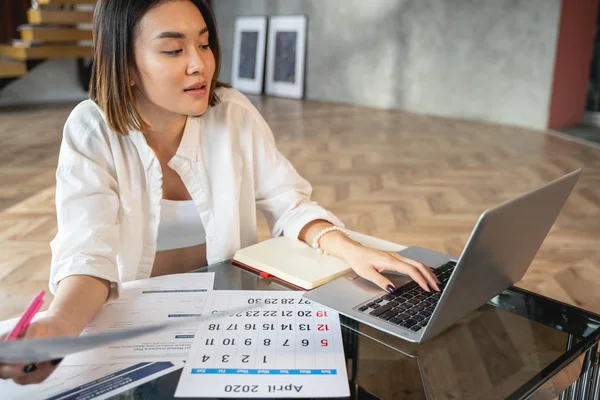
(87, 207)
(282, 195)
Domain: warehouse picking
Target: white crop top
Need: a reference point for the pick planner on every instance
(180, 225)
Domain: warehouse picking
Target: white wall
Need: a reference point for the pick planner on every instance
(489, 60)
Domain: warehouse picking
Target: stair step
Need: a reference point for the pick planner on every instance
(66, 17)
(44, 2)
(54, 34)
(12, 69)
(45, 51)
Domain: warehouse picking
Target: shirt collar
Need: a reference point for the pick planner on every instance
(188, 147)
(190, 141)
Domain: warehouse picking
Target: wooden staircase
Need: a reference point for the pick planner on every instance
(12, 69)
(54, 30)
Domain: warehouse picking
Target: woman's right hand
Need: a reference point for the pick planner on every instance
(25, 374)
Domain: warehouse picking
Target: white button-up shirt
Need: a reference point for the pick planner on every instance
(109, 188)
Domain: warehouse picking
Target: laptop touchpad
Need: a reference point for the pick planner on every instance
(396, 278)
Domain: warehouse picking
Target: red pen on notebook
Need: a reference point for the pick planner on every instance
(27, 316)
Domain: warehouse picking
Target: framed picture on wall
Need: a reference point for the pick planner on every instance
(248, 65)
(286, 53)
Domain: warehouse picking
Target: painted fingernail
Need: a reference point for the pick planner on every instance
(390, 288)
(29, 368)
(56, 362)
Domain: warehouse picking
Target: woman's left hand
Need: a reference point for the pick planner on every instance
(368, 263)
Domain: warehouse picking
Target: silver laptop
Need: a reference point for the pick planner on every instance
(498, 253)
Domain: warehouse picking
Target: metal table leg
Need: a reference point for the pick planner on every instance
(570, 391)
(587, 386)
(589, 368)
(595, 379)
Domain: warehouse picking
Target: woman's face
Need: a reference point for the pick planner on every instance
(174, 64)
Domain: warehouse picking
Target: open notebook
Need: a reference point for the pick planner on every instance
(298, 264)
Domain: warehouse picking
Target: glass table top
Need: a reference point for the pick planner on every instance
(505, 349)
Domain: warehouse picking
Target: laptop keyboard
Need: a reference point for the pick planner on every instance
(409, 306)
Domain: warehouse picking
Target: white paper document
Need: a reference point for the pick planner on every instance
(285, 346)
(176, 298)
(93, 382)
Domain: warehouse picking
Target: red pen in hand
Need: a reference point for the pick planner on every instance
(27, 316)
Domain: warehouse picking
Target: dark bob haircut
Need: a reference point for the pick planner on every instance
(114, 28)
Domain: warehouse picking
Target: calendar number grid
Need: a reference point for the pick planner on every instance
(279, 336)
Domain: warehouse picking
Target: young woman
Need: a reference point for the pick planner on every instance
(164, 163)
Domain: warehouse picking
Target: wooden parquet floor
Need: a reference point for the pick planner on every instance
(29, 142)
(412, 179)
